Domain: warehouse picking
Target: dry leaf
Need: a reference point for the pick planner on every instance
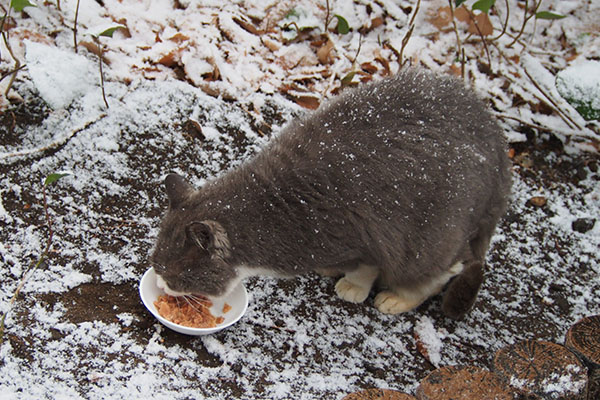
(483, 23)
(376, 23)
(248, 26)
(385, 64)
(324, 53)
(462, 14)
(179, 38)
(455, 69)
(312, 103)
(170, 59)
(442, 18)
(368, 68)
(271, 44)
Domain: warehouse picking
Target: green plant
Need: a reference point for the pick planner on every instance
(50, 179)
(17, 6)
(96, 37)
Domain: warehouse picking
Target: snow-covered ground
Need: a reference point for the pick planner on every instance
(78, 329)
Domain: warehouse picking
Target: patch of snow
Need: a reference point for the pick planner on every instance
(59, 75)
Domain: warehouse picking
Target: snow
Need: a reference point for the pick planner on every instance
(580, 83)
(431, 340)
(59, 75)
(296, 340)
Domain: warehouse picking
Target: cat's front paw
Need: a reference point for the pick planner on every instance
(391, 303)
(351, 292)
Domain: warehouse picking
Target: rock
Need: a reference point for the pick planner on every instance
(583, 225)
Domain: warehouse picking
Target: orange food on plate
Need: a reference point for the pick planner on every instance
(193, 313)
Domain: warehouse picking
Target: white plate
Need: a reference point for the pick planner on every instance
(237, 299)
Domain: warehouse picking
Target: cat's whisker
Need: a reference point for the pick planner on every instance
(203, 302)
(190, 304)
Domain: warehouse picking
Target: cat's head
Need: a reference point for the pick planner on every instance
(191, 254)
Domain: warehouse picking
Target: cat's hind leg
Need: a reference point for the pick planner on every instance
(405, 299)
(462, 291)
(356, 284)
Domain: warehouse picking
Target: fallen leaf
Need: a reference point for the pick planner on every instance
(442, 18)
(462, 14)
(246, 25)
(324, 53)
(179, 38)
(455, 69)
(385, 64)
(368, 68)
(170, 59)
(376, 23)
(271, 44)
(312, 103)
(483, 23)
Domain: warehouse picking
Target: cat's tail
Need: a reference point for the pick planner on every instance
(462, 291)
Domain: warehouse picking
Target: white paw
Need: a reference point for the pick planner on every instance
(351, 292)
(391, 303)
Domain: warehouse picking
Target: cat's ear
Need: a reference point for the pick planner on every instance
(178, 189)
(209, 236)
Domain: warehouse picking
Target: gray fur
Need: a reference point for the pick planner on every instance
(408, 174)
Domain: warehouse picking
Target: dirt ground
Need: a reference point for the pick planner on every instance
(539, 308)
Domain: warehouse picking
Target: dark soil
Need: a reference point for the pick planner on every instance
(540, 161)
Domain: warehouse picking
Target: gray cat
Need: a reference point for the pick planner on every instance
(398, 183)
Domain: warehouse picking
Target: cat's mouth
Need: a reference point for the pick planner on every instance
(162, 284)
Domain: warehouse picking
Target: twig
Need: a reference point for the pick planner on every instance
(327, 20)
(525, 20)
(52, 145)
(75, 26)
(14, 71)
(18, 64)
(487, 51)
(408, 34)
(458, 44)
(564, 116)
(405, 40)
(100, 57)
(505, 25)
(360, 39)
(573, 134)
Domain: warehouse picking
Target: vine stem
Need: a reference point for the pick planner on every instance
(75, 26)
(458, 44)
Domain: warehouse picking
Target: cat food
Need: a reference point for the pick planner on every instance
(188, 312)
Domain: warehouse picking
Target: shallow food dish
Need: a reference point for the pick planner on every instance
(237, 299)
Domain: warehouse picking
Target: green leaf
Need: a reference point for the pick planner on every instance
(484, 5)
(50, 179)
(293, 13)
(548, 15)
(19, 5)
(457, 3)
(346, 80)
(110, 31)
(342, 26)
